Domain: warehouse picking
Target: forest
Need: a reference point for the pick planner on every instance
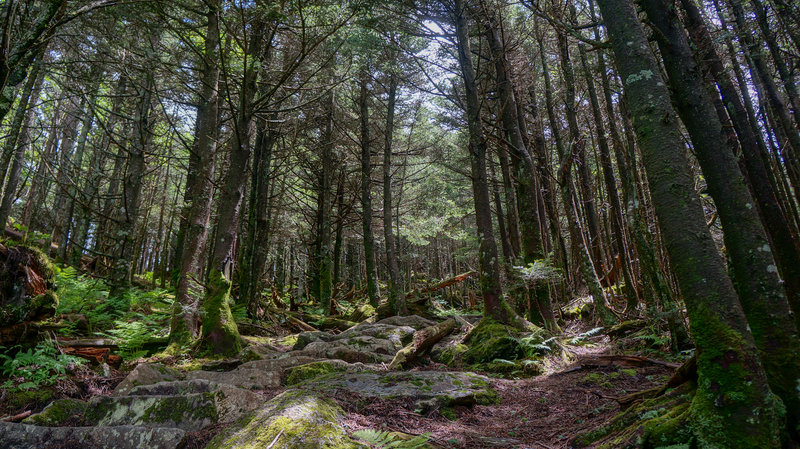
(298, 224)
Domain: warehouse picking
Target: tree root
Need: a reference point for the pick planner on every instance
(652, 418)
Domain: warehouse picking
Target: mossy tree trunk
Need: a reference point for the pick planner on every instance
(494, 305)
(526, 173)
(215, 328)
(397, 300)
(193, 234)
(366, 191)
(733, 406)
(785, 246)
(755, 275)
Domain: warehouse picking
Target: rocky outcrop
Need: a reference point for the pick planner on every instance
(146, 374)
(25, 436)
(292, 420)
(427, 388)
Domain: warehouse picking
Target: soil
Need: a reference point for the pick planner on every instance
(543, 412)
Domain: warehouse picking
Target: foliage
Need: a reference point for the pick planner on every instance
(381, 439)
(34, 367)
(540, 271)
(136, 318)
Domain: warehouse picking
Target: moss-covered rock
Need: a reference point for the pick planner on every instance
(361, 313)
(146, 374)
(491, 340)
(28, 399)
(26, 436)
(59, 413)
(310, 371)
(292, 420)
(427, 388)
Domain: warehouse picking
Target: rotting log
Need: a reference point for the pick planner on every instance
(423, 340)
(27, 293)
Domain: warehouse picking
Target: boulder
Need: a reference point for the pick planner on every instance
(312, 370)
(247, 378)
(304, 338)
(192, 406)
(146, 374)
(231, 401)
(292, 420)
(428, 388)
(25, 436)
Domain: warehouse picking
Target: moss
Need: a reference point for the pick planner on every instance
(629, 372)
(453, 353)
(449, 413)
(487, 397)
(732, 405)
(63, 412)
(294, 420)
(28, 399)
(162, 411)
(310, 371)
(491, 340)
(219, 332)
(361, 313)
(600, 379)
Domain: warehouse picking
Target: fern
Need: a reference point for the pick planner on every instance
(381, 439)
(42, 365)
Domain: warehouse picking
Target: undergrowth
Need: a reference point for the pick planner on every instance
(381, 439)
(35, 367)
(135, 321)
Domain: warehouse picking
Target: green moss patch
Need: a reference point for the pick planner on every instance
(310, 371)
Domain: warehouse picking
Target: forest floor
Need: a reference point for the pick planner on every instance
(540, 412)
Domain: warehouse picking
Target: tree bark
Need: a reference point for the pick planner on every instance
(494, 305)
(397, 301)
(754, 274)
(366, 191)
(730, 373)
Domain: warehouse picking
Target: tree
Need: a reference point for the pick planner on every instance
(729, 368)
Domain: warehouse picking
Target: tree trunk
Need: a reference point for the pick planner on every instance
(754, 273)
(494, 305)
(397, 301)
(730, 374)
(366, 189)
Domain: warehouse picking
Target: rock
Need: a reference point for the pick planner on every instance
(427, 387)
(399, 335)
(288, 360)
(187, 411)
(448, 350)
(304, 338)
(60, 412)
(221, 365)
(25, 436)
(292, 420)
(259, 352)
(146, 374)
(247, 378)
(361, 313)
(415, 321)
(309, 371)
(231, 401)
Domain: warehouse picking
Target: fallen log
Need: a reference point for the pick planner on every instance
(445, 283)
(423, 340)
